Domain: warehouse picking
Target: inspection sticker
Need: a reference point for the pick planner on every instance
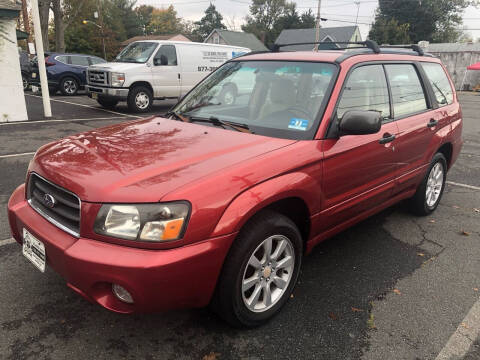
(298, 124)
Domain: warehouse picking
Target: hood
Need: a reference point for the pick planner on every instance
(142, 161)
(117, 66)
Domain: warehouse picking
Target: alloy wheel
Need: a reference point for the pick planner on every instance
(268, 273)
(70, 86)
(434, 184)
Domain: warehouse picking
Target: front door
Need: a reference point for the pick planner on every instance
(166, 73)
(359, 170)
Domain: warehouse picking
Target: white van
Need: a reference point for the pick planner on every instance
(153, 69)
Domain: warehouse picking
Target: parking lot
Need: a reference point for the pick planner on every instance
(393, 287)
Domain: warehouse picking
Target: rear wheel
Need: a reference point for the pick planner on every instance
(69, 86)
(140, 99)
(430, 191)
(260, 271)
(107, 103)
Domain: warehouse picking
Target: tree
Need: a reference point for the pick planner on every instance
(164, 21)
(308, 20)
(44, 12)
(210, 21)
(144, 16)
(390, 32)
(431, 20)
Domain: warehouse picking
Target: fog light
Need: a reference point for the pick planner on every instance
(122, 294)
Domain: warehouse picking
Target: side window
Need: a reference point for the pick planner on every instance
(407, 91)
(62, 59)
(169, 53)
(365, 89)
(440, 84)
(95, 60)
(80, 60)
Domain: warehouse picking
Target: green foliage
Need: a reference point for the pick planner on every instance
(212, 20)
(269, 17)
(164, 21)
(431, 20)
(390, 32)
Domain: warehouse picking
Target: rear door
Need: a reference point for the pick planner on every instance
(359, 170)
(416, 119)
(166, 72)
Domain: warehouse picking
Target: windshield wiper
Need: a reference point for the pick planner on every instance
(217, 122)
(172, 113)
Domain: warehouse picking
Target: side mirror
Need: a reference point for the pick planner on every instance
(359, 122)
(162, 60)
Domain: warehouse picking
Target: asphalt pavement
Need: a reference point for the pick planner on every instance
(395, 286)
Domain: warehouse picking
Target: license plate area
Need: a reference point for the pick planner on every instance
(34, 250)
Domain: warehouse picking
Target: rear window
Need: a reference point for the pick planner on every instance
(440, 84)
(407, 90)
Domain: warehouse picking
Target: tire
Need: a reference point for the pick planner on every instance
(228, 94)
(140, 99)
(230, 300)
(69, 86)
(25, 82)
(107, 103)
(424, 202)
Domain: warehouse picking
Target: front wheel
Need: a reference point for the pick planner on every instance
(260, 271)
(140, 99)
(430, 191)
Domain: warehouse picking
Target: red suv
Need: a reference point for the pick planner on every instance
(218, 201)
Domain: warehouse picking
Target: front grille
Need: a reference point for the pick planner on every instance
(57, 205)
(97, 77)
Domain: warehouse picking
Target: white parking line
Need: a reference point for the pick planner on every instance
(7, 241)
(64, 120)
(88, 106)
(463, 185)
(462, 339)
(15, 155)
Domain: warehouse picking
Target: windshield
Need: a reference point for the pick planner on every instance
(273, 98)
(137, 52)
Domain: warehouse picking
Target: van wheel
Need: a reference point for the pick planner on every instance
(139, 99)
(107, 103)
(69, 86)
(260, 271)
(430, 191)
(228, 95)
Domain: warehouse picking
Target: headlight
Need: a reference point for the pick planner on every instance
(118, 79)
(143, 222)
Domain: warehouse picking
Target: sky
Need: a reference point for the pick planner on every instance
(344, 11)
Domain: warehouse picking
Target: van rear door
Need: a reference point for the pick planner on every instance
(166, 72)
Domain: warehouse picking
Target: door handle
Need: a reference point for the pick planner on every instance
(386, 138)
(178, 76)
(432, 123)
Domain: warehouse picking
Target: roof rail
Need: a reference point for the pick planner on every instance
(370, 44)
(413, 47)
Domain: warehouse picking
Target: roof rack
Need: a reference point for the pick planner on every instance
(370, 44)
(413, 47)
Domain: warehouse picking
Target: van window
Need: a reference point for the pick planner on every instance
(440, 84)
(169, 52)
(407, 91)
(79, 60)
(366, 89)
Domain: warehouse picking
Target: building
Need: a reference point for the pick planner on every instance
(456, 57)
(12, 99)
(172, 37)
(235, 38)
(332, 36)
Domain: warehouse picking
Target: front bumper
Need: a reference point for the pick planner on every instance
(157, 279)
(106, 92)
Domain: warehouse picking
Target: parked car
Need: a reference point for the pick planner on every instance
(148, 70)
(218, 202)
(65, 72)
(26, 68)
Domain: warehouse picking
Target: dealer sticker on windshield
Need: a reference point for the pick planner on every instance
(298, 124)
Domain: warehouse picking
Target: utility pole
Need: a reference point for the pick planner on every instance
(358, 9)
(41, 59)
(317, 26)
